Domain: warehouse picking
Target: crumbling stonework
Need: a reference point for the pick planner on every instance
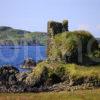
(57, 27)
(53, 29)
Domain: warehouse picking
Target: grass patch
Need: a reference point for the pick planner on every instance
(77, 95)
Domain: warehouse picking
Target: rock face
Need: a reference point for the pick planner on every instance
(8, 75)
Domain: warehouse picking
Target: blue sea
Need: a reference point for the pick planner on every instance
(15, 55)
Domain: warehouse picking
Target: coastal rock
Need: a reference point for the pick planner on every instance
(8, 75)
(28, 63)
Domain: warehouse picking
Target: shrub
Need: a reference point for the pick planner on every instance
(46, 74)
(95, 54)
(80, 74)
(38, 75)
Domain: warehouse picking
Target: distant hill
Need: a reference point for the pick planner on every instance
(11, 36)
(98, 39)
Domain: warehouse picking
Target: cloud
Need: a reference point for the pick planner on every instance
(83, 27)
(98, 27)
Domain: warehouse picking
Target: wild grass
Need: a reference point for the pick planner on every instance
(76, 95)
(85, 71)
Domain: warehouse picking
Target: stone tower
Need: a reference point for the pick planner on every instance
(53, 29)
(57, 27)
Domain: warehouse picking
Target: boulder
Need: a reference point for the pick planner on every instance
(28, 63)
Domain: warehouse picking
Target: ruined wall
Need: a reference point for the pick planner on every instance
(57, 27)
(53, 29)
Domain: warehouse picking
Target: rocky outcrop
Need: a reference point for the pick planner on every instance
(28, 63)
(8, 75)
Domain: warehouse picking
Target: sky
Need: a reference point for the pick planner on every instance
(32, 15)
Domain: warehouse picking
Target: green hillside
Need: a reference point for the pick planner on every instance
(10, 36)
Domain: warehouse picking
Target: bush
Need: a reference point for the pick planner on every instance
(95, 54)
(38, 76)
(82, 75)
(47, 74)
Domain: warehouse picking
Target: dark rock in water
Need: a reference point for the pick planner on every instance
(8, 68)
(29, 63)
(9, 80)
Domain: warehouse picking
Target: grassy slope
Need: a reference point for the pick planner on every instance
(77, 95)
(8, 33)
(76, 73)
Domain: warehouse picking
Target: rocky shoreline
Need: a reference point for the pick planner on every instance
(54, 88)
(12, 81)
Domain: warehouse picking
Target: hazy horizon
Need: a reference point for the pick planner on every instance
(33, 15)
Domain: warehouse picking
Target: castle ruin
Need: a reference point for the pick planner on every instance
(57, 27)
(53, 29)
